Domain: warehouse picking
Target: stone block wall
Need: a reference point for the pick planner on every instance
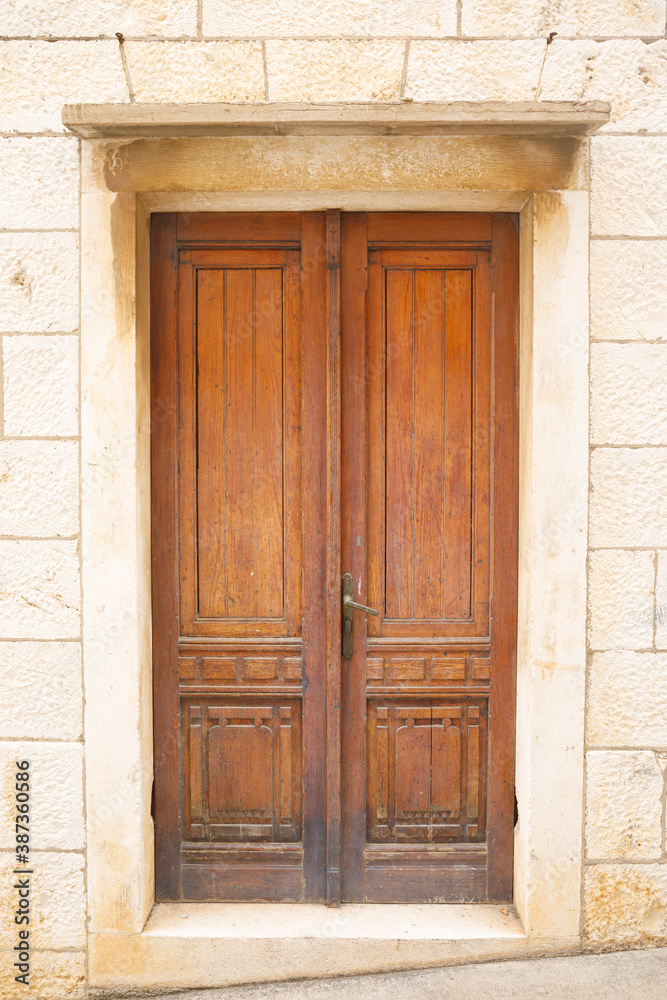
(334, 50)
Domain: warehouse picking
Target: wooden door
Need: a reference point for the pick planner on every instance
(333, 393)
(239, 555)
(429, 400)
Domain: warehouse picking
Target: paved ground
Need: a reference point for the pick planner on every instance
(629, 975)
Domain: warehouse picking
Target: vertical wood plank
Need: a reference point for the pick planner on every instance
(164, 368)
(400, 433)
(429, 307)
(238, 511)
(375, 442)
(458, 450)
(293, 484)
(195, 764)
(211, 435)
(446, 770)
(314, 416)
(505, 437)
(268, 443)
(353, 545)
(333, 614)
(473, 773)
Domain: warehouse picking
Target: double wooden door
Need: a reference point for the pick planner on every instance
(334, 393)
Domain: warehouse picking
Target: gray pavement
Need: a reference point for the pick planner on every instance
(628, 975)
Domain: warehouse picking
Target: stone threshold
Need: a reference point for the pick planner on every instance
(93, 121)
(206, 945)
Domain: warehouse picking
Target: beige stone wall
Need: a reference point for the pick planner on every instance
(334, 50)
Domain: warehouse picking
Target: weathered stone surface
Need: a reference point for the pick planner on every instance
(103, 17)
(621, 599)
(41, 385)
(618, 269)
(57, 897)
(628, 497)
(336, 70)
(630, 75)
(629, 185)
(356, 18)
(625, 904)
(196, 71)
(661, 604)
(39, 282)
(39, 77)
(628, 393)
(56, 795)
(626, 699)
(623, 804)
(55, 975)
(39, 590)
(39, 183)
(39, 488)
(474, 71)
(41, 690)
(572, 17)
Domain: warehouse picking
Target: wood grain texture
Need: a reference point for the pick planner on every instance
(505, 271)
(164, 556)
(333, 555)
(432, 395)
(335, 395)
(228, 348)
(354, 279)
(314, 416)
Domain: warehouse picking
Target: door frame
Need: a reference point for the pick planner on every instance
(118, 195)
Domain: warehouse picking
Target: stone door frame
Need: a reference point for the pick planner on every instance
(133, 943)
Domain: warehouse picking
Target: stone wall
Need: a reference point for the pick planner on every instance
(334, 50)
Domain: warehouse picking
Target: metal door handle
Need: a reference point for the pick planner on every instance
(348, 615)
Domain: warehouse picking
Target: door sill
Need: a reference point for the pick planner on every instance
(208, 945)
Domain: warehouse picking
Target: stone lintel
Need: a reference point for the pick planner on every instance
(92, 121)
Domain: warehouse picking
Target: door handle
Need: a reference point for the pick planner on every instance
(348, 615)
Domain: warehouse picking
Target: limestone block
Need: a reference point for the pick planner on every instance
(629, 185)
(571, 17)
(628, 290)
(196, 71)
(39, 183)
(358, 18)
(628, 497)
(39, 488)
(474, 71)
(336, 70)
(661, 603)
(56, 795)
(630, 75)
(39, 282)
(39, 77)
(103, 17)
(41, 385)
(623, 804)
(57, 897)
(625, 904)
(39, 590)
(627, 695)
(41, 690)
(55, 975)
(628, 393)
(621, 599)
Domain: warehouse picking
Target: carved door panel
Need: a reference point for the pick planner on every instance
(333, 393)
(429, 535)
